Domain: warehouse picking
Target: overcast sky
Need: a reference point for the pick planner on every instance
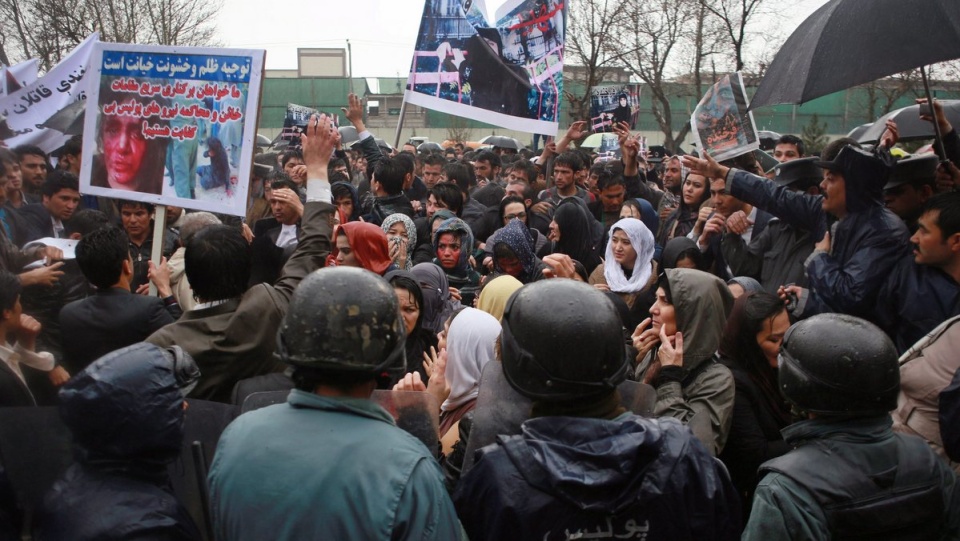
(381, 32)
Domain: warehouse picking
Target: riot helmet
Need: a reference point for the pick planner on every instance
(839, 365)
(343, 320)
(561, 340)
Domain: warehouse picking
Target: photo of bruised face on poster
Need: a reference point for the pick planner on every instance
(130, 153)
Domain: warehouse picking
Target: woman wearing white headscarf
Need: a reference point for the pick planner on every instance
(470, 346)
(629, 269)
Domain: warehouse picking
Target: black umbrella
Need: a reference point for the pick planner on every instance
(909, 124)
(68, 120)
(501, 141)
(429, 146)
(858, 131)
(850, 42)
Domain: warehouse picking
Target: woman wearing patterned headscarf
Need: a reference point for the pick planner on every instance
(401, 239)
(513, 253)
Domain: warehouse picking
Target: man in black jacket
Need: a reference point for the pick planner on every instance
(114, 317)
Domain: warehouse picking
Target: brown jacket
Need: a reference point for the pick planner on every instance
(236, 340)
(925, 369)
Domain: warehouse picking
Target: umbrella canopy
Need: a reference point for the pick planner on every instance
(858, 131)
(597, 140)
(501, 141)
(68, 120)
(263, 141)
(429, 147)
(850, 42)
(909, 124)
(348, 134)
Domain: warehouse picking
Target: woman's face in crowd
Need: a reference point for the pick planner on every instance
(693, 189)
(629, 211)
(663, 314)
(554, 232)
(397, 230)
(623, 251)
(345, 255)
(448, 250)
(409, 309)
(771, 336)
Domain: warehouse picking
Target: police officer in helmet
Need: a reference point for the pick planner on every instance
(849, 476)
(330, 463)
(583, 466)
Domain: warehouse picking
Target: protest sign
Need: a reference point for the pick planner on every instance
(295, 121)
(172, 125)
(504, 68)
(721, 124)
(611, 104)
(17, 76)
(27, 108)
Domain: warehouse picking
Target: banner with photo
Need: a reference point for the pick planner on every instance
(503, 68)
(172, 125)
(610, 104)
(295, 122)
(17, 76)
(30, 106)
(721, 124)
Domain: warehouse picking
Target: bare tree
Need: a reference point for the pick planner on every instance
(733, 16)
(49, 29)
(458, 129)
(588, 38)
(645, 39)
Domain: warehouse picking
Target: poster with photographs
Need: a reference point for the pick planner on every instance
(503, 67)
(172, 125)
(610, 104)
(295, 122)
(722, 125)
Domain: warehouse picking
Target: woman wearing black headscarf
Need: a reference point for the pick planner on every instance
(573, 233)
(412, 310)
(751, 342)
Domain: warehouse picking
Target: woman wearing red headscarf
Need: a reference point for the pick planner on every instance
(364, 245)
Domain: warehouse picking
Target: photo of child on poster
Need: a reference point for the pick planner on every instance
(611, 104)
(721, 123)
(170, 128)
(504, 68)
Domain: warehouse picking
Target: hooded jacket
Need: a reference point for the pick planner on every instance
(125, 412)
(629, 477)
(463, 277)
(702, 394)
(865, 244)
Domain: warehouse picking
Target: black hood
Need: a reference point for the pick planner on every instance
(126, 406)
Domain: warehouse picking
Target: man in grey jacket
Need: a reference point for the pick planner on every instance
(232, 332)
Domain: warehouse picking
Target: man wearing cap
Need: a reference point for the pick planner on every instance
(911, 184)
(777, 253)
(860, 239)
(923, 288)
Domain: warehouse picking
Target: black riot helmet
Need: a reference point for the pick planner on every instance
(562, 340)
(343, 320)
(839, 365)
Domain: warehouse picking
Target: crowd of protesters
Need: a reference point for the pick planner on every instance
(765, 310)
